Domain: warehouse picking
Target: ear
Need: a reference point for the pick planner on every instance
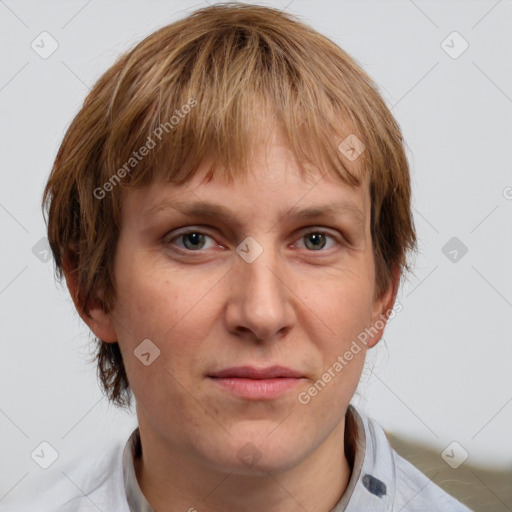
(382, 308)
(92, 313)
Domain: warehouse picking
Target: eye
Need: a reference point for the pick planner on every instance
(195, 240)
(192, 240)
(317, 240)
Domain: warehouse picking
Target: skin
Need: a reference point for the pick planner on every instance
(207, 309)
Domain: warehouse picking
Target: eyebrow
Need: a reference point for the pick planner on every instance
(201, 209)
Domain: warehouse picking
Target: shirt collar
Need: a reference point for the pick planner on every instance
(136, 500)
(371, 484)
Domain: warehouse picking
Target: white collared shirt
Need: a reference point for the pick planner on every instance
(381, 481)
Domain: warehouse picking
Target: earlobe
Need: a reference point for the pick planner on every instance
(101, 324)
(98, 320)
(92, 313)
(382, 308)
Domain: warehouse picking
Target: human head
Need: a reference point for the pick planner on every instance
(192, 90)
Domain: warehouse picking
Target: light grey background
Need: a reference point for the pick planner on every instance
(444, 371)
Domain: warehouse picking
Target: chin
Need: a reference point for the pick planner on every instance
(257, 455)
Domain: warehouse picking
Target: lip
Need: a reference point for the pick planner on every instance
(257, 383)
(251, 372)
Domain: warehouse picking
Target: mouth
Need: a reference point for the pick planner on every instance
(252, 383)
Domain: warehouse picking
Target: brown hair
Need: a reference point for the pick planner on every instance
(192, 89)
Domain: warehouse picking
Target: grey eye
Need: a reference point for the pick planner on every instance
(193, 240)
(317, 240)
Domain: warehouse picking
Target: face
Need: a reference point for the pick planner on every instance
(245, 311)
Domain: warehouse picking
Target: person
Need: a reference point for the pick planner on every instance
(231, 210)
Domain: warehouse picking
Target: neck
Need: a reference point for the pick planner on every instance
(317, 482)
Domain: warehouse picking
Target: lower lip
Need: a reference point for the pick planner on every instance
(257, 389)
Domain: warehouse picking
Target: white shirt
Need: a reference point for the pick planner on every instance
(381, 481)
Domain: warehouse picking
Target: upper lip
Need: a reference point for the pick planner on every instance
(250, 372)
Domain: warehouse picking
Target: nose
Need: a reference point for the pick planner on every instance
(260, 305)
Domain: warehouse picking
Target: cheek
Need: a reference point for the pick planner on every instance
(171, 308)
(340, 307)
(152, 297)
(345, 313)
(164, 311)
(342, 301)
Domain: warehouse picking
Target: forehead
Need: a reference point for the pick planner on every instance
(251, 205)
(276, 185)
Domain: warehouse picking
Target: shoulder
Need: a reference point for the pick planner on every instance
(91, 482)
(411, 490)
(415, 491)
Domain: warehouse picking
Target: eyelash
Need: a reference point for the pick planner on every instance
(168, 241)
